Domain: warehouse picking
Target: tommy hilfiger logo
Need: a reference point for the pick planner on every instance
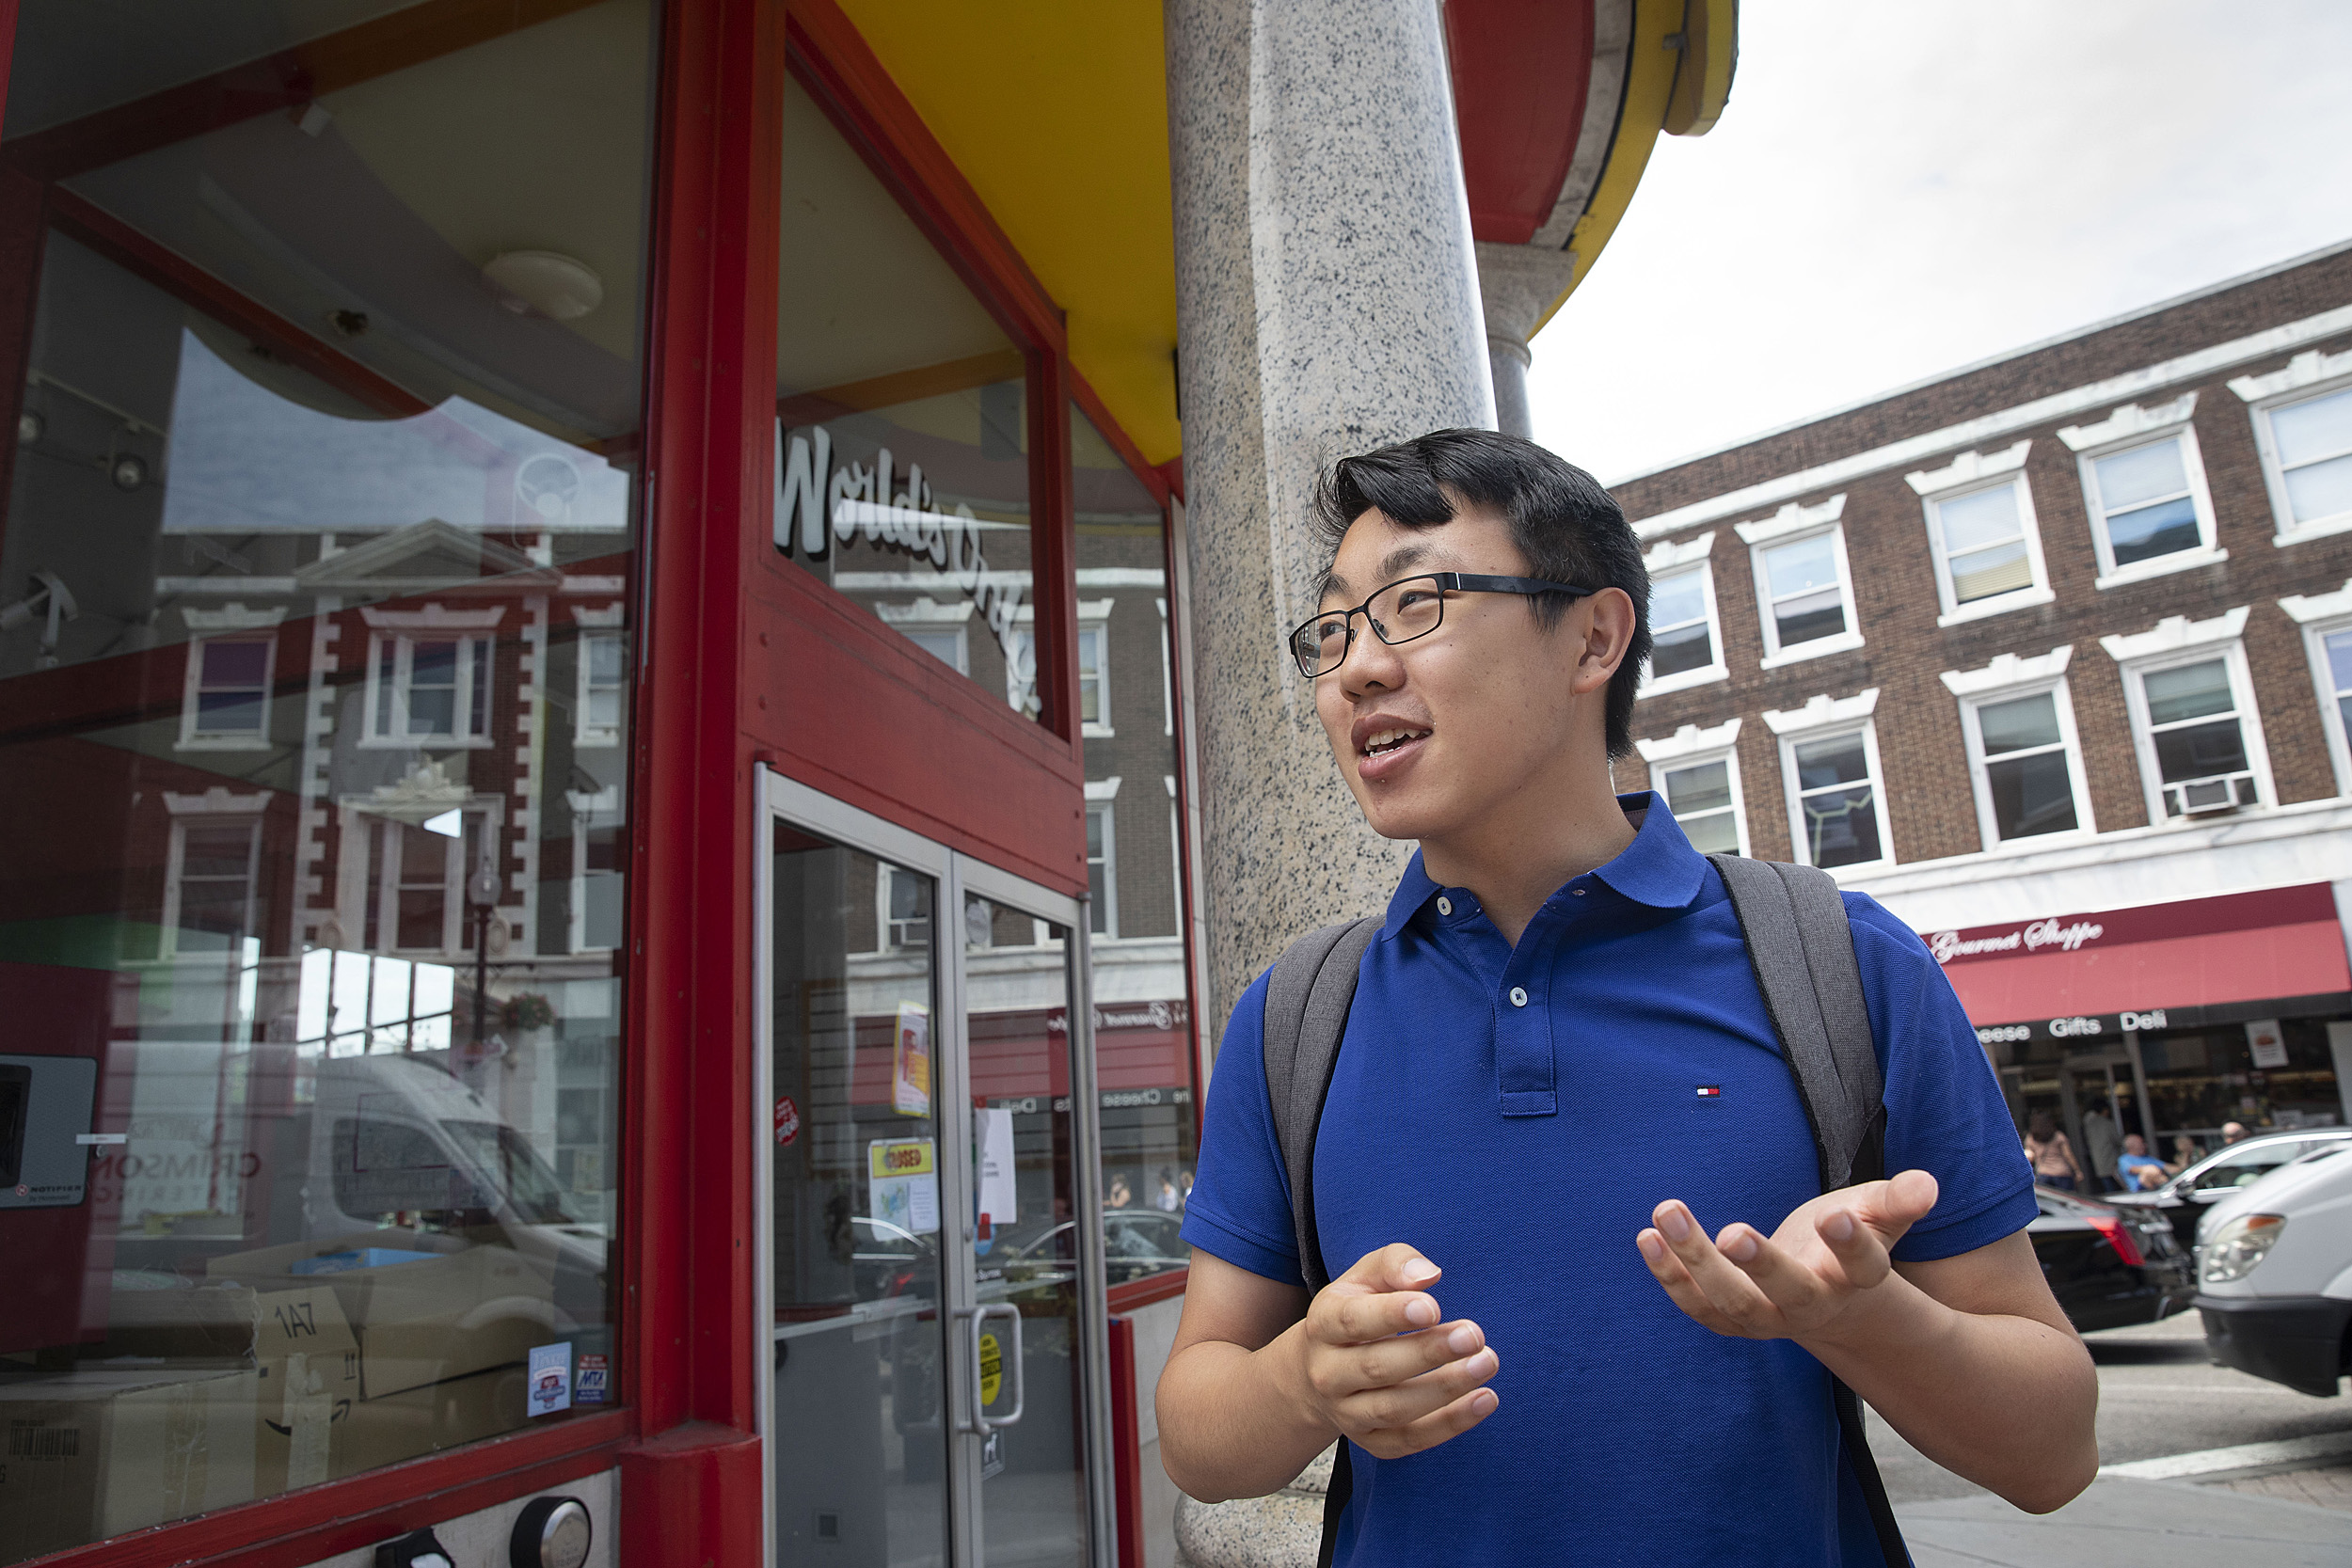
(1710, 1092)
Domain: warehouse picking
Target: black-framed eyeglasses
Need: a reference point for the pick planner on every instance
(1405, 608)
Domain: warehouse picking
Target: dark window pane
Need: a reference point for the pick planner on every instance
(236, 664)
(1687, 648)
(1696, 789)
(229, 713)
(2200, 751)
(2031, 795)
(1841, 826)
(1840, 759)
(1816, 615)
(2154, 531)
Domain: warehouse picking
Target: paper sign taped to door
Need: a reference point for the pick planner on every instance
(910, 1061)
(1000, 1197)
(903, 1184)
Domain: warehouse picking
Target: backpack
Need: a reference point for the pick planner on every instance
(1800, 947)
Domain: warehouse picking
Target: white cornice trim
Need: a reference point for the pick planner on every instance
(2133, 418)
(925, 613)
(1968, 467)
(610, 615)
(2008, 670)
(2303, 609)
(2305, 369)
(1103, 790)
(2001, 423)
(432, 617)
(1822, 712)
(2176, 633)
(1665, 556)
(231, 616)
(215, 802)
(1689, 740)
(1791, 518)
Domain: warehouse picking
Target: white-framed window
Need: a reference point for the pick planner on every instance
(2327, 623)
(1983, 535)
(1094, 676)
(417, 873)
(212, 877)
(429, 676)
(941, 630)
(599, 866)
(2303, 429)
(1804, 587)
(1686, 633)
(1696, 772)
(226, 704)
(1103, 856)
(1829, 760)
(2191, 700)
(902, 905)
(600, 695)
(2025, 758)
(2144, 486)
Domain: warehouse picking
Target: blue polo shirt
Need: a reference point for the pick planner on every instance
(1515, 1113)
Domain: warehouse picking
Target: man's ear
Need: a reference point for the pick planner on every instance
(1607, 624)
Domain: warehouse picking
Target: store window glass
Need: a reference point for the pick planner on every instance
(1142, 1017)
(314, 585)
(2272, 1075)
(902, 443)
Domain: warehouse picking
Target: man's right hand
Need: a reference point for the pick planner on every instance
(1372, 1359)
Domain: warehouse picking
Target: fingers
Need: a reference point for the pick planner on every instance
(1391, 1405)
(1680, 1287)
(1430, 1430)
(1384, 1294)
(1730, 1293)
(1394, 1267)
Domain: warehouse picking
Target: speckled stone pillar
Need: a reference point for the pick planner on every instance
(1327, 303)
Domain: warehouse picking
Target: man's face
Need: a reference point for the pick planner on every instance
(1438, 734)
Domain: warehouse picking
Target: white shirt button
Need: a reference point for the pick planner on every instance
(1446, 906)
(1518, 996)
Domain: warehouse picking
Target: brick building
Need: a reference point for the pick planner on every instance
(2047, 653)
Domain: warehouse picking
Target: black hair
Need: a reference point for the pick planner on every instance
(1568, 528)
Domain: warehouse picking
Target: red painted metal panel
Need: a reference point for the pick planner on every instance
(2251, 965)
(321, 1521)
(1126, 1452)
(845, 705)
(1521, 72)
(1152, 1287)
(690, 1488)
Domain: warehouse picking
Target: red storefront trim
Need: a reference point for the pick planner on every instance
(690, 1488)
(300, 1528)
(1126, 1452)
(1143, 1292)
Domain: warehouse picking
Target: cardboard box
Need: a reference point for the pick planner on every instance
(419, 1422)
(102, 1449)
(421, 1320)
(307, 1368)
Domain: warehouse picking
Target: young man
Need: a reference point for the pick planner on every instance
(1512, 1135)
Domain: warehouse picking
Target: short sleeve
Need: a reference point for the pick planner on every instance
(1945, 1113)
(1240, 1206)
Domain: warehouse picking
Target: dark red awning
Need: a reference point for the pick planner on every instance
(2237, 948)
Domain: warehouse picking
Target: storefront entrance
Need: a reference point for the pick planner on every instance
(934, 1302)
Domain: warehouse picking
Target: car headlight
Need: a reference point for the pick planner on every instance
(2241, 1244)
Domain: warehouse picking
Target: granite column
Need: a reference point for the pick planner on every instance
(1328, 303)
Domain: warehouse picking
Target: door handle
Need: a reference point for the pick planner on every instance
(980, 1425)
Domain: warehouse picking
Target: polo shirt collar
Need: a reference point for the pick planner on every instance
(1659, 868)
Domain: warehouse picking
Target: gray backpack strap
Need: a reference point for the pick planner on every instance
(1306, 1013)
(1801, 947)
(1800, 944)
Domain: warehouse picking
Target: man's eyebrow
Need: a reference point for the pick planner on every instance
(1396, 560)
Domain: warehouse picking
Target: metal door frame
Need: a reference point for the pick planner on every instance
(781, 800)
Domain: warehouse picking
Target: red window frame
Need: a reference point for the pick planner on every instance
(712, 596)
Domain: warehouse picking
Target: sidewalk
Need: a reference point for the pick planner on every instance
(2125, 1522)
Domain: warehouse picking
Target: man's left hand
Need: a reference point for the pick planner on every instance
(1798, 1282)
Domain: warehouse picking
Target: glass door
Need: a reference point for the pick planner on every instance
(937, 1315)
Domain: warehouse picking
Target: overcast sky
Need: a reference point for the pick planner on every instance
(1897, 190)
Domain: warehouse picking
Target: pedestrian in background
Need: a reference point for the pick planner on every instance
(2101, 1141)
(2134, 1168)
(2233, 1131)
(2052, 1154)
(2184, 1154)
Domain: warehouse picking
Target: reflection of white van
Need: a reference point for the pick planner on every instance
(2274, 1273)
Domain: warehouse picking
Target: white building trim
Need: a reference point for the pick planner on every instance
(2007, 670)
(1968, 467)
(1689, 741)
(2321, 616)
(2133, 418)
(2003, 422)
(1822, 712)
(1790, 521)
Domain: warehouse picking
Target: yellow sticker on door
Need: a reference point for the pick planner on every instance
(992, 1369)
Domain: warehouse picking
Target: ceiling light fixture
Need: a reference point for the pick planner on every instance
(543, 282)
